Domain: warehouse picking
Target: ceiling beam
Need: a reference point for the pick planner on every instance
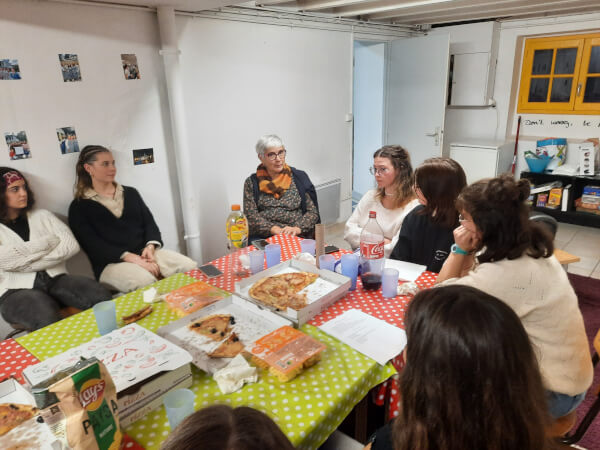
(273, 2)
(315, 5)
(532, 10)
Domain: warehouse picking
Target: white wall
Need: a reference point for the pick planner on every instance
(243, 80)
(368, 106)
(104, 108)
(500, 122)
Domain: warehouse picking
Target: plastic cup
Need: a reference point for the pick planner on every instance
(308, 246)
(350, 268)
(273, 254)
(257, 261)
(327, 262)
(106, 316)
(179, 404)
(389, 283)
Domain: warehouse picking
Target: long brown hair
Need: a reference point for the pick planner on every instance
(440, 180)
(220, 427)
(83, 180)
(400, 160)
(471, 379)
(498, 208)
(3, 186)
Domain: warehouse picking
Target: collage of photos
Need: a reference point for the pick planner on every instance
(9, 69)
(67, 140)
(69, 65)
(143, 156)
(18, 147)
(130, 66)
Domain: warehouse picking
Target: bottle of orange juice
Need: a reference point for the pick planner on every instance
(236, 229)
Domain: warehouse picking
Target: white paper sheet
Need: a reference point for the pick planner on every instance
(408, 271)
(372, 337)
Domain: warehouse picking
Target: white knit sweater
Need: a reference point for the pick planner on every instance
(50, 244)
(390, 220)
(539, 291)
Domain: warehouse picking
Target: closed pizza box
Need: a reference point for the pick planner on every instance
(324, 292)
(30, 434)
(251, 323)
(134, 357)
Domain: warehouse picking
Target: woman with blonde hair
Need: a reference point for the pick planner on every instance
(115, 227)
(392, 200)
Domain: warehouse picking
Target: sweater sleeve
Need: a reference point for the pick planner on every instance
(151, 231)
(258, 225)
(19, 256)
(67, 244)
(310, 217)
(353, 227)
(97, 249)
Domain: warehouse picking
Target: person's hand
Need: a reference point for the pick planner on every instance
(150, 266)
(148, 253)
(293, 231)
(276, 230)
(465, 239)
(386, 241)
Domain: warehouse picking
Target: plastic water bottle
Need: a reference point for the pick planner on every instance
(372, 259)
(236, 229)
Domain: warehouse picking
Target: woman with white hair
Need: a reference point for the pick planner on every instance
(279, 199)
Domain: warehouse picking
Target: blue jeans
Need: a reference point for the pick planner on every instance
(562, 404)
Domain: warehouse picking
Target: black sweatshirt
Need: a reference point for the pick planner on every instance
(105, 237)
(423, 242)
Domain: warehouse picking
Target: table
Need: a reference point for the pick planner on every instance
(308, 409)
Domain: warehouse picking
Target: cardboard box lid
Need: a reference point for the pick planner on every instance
(131, 354)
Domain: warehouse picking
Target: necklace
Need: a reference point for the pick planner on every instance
(387, 195)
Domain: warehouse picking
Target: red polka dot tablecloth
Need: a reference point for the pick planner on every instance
(14, 359)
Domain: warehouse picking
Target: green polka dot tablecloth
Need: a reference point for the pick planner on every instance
(308, 408)
(80, 328)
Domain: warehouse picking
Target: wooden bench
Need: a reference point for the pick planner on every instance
(565, 258)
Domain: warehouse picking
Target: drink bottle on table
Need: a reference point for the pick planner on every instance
(372, 258)
(236, 229)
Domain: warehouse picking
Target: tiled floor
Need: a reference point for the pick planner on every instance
(577, 240)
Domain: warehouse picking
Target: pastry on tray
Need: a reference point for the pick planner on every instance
(14, 414)
(281, 291)
(214, 327)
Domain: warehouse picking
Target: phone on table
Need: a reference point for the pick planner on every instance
(331, 249)
(260, 243)
(210, 271)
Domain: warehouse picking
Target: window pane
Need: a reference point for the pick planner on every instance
(565, 60)
(538, 89)
(592, 90)
(594, 66)
(542, 62)
(561, 90)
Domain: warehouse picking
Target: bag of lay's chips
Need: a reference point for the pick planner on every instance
(80, 406)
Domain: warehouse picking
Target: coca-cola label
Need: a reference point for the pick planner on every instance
(371, 250)
(92, 393)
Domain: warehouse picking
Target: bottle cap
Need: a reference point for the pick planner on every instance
(235, 207)
(372, 214)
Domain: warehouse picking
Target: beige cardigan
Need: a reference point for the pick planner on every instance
(50, 244)
(539, 291)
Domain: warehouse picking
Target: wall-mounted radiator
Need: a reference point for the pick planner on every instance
(328, 195)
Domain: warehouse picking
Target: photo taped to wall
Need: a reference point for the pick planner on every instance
(130, 66)
(143, 156)
(9, 69)
(67, 139)
(69, 65)
(18, 147)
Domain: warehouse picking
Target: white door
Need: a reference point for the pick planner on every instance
(416, 95)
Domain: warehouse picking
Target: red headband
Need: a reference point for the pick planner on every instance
(11, 177)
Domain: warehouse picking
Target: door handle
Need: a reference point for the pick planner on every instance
(435, 134)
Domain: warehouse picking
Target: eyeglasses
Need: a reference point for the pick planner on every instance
(272, 156)
(380, 171)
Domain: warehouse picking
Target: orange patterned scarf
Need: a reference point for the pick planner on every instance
(274, 186)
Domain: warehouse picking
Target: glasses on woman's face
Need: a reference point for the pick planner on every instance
(272, 156)
(379, 171)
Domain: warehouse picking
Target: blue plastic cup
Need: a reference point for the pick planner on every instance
(389, 282)
(308, 246)
(350, 268)
(327, 262)
(273, 254)
(179, 404)
(106, 316)
(257, 261)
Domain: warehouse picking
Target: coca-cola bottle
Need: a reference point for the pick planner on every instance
(371, 253)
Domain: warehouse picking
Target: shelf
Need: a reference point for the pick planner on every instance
(574, 217)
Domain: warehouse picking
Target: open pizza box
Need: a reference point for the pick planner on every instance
(31, 434)
(143, 366)
(250, 323)
(320, 295)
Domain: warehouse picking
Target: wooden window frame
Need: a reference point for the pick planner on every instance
(584, 44)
